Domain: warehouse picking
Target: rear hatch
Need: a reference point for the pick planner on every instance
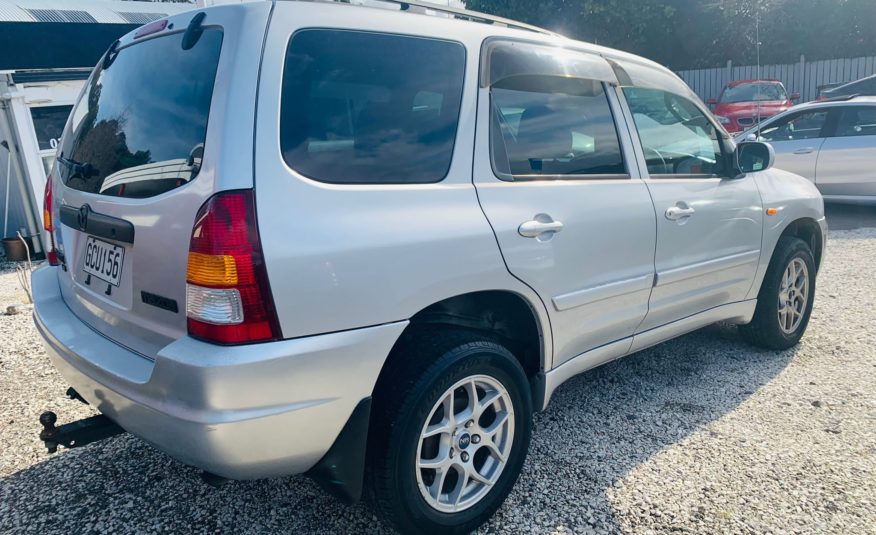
(164, 122)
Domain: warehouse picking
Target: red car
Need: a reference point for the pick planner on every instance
(743, 101)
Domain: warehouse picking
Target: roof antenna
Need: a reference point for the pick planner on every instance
(757, 86)
(194, 31)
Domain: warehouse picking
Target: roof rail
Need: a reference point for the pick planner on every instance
(465, 14)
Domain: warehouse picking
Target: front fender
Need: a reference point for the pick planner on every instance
(794, 198)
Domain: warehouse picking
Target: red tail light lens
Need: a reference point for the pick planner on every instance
(228, 299)
(49, 223)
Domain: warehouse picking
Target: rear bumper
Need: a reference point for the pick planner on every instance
(242, 412)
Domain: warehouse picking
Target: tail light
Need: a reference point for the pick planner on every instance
(49, 223)
(228, 300)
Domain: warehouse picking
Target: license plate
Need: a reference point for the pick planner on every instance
(103, 260)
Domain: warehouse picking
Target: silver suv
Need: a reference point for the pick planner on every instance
(367, 244)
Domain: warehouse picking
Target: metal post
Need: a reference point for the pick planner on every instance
(802, 83)
(5, 145)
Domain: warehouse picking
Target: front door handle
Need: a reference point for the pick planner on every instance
(805, 150)
(674, 213)
(540, 226)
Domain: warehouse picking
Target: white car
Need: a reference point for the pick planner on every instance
(832, 143)
(392, 236)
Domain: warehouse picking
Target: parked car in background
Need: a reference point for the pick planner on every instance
(825, 87)
(368, 244)
(743, 102)
(860, 88)
(831, 143)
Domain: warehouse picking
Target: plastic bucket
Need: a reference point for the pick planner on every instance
(15, 251)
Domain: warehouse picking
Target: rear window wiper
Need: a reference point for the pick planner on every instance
(86, 170)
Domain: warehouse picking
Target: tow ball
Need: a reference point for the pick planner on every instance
(78, 433)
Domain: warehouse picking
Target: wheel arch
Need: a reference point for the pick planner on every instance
(505, 315)
(804, 227)
(808, 230)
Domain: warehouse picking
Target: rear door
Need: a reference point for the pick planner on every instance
(572, 218)
(845, 162)
(797, 138)
(141, 153)
(709, 227)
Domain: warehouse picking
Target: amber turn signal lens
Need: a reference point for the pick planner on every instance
(211, 270)
(772, 211)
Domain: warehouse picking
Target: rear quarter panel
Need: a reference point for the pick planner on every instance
(347, 256)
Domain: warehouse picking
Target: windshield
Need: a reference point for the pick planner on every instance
(139, 127)
(753, 93)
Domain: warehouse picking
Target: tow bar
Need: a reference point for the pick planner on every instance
(78, 433)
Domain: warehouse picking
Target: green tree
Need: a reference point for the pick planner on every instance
(632, 22)
(706, 33)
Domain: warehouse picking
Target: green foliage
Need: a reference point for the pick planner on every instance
(706, 33)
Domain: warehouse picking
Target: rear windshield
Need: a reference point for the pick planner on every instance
(368, 108)
(140, 126)
(753, 93)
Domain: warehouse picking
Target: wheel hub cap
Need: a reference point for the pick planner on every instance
(464, 444)
(463, 440)
(793, 295)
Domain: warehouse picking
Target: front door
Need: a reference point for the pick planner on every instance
(708, 227)
(797, 138)
(571, 219)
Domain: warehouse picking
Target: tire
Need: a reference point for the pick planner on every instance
(429, 364)
(766, 328)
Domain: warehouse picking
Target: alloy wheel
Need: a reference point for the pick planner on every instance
(464, 444)
(793, 295)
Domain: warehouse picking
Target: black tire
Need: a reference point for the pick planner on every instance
(428, 363)
(764, 329)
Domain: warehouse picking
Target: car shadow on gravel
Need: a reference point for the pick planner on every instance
(603, 424)
(598, 428)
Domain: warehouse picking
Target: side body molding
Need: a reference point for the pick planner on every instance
(605, 291)
(703, 268)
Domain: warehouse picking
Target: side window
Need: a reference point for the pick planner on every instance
(365, 108)
(677, 137)
(546, 126)
(803, 125)
(857, 121)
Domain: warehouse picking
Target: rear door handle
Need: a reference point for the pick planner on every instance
(674, 213)
(805, 150)
(536, 228)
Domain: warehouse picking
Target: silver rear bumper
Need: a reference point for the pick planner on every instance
(241, 412)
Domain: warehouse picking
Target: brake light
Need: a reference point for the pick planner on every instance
(152, 27)
(228, 299)
(49, 223)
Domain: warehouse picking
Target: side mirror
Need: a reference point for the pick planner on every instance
(712, 102)
(751, 137)
(754, 156)
(795, 96)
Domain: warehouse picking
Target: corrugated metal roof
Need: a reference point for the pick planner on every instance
(9, 11)
(140, 18)
(61, 15)
(88, 11)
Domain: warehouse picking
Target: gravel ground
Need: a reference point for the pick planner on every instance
(703, 434)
